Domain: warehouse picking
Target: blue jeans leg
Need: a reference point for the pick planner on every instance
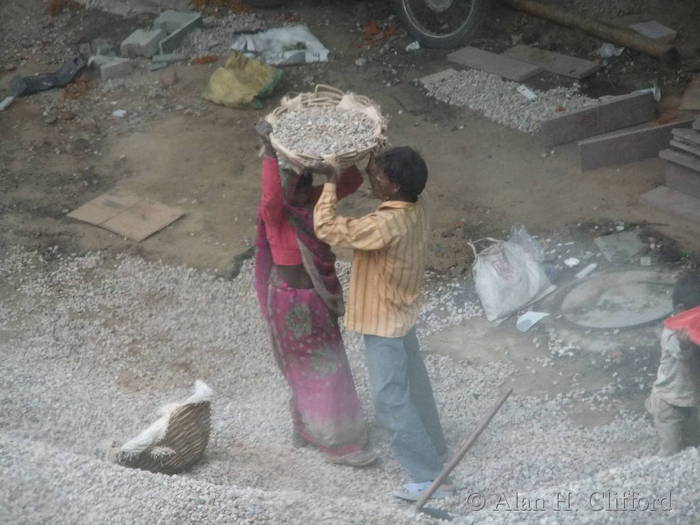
(390, 371)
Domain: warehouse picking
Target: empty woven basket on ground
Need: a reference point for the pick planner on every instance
(176, 440)
(329, 97)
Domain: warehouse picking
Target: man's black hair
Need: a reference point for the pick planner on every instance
(686, 292)
(404, 166)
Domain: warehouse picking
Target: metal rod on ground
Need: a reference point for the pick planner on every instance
(608, 32)
(462, 451)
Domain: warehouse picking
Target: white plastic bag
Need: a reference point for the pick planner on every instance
(508, 276)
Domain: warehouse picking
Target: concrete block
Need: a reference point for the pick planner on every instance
(174, 39)
(500, 65)
(142, 43)
(684, 159)
(554, 62)
(673, 202)
(682, 179)
(655, 31)
(626, 146)
(616, 113)
(696, 124)
(688, 135)
(170, 21)
(114, 67)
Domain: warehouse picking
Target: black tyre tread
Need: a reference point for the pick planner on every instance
(265, 4)
(481, 9)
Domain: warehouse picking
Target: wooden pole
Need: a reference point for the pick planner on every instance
(608, 32)
(462, 451)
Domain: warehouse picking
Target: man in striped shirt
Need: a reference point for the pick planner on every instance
(386, 285)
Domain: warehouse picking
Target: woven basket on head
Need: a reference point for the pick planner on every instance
(174, 442)
(330, 97)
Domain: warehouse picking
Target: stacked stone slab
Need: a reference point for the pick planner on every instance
(681, 193)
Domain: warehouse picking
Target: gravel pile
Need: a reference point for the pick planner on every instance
(500, 101)
(217, 34)
(93, 345)
(325, 131)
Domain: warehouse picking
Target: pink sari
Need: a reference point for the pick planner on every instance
(306, 341)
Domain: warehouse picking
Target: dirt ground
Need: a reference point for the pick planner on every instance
(62, 148)
(57, 153)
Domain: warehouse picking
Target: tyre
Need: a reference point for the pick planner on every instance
(264, 4)
(442, 23)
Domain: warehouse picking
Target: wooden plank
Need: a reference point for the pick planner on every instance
(684, 159)
(673, 202)
(682, 179)
(500, 65)
(616, 113)
(688, 135)
(691, 96)
(564, 65)
(686, 146)
(627, 146)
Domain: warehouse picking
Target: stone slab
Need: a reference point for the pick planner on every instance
(437, 77)
(610, 115)
(673, 202)
(687, 147)
(141, 43)
(170, 21)
(620, 247)
(500, 65)
(696, 124)
(564, 65)
(679, 157)
(691, 96)
(682, 179)
(688, 135)
(655, 31)
(626, 146)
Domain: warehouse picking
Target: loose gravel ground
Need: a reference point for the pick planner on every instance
(500, 101)
(92, 345)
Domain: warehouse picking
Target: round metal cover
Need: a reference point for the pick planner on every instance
(619, 299)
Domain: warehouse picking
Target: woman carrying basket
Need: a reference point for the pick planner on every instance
(301, 299)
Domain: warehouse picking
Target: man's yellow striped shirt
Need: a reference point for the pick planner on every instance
(386, 280)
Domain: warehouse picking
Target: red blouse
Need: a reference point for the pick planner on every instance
(280, 233)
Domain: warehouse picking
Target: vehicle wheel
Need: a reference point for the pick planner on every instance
(264, 4)
(442, 23)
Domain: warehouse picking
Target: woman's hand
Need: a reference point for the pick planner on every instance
(263, 128)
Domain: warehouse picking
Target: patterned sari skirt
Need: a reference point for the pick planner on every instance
(309, 350)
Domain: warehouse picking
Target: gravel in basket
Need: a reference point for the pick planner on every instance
(326, 126)
(176, 440)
